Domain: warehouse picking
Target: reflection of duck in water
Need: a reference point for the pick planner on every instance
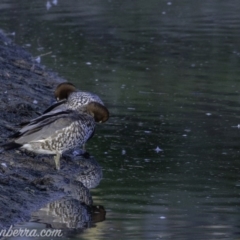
(68, 97)
(70, 215)
(75, 211)
(59, 130)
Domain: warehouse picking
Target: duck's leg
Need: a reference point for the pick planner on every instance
(57, 160)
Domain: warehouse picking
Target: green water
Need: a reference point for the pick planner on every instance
(169, 73)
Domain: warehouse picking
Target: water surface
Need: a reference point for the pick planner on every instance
(169, 73)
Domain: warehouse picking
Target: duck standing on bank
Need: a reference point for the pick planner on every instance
(59, 130)
(69, 97)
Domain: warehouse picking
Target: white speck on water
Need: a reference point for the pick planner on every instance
(55, 2)
(38, 59)
(147, 131)
(238, 125)
(157, 149)
(48, 5)
(131, 108)
(184, 135)
(96, 80)
(4, 164)
(224, 153)
(5, 92)
(147, 160)
(237, 185)
(208, 114)
(123, 152)
(105, 152)
(169, 3)
(162, 217)
(193, 65)
(35, 101)
(163, 13)
(28, 45)
(88, 63)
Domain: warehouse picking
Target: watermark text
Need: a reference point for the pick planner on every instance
(25, 232)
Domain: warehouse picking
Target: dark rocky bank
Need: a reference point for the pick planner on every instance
(28, 181)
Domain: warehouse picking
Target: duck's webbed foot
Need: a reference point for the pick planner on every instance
(81, 152)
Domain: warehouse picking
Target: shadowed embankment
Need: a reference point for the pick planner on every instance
(29, 181)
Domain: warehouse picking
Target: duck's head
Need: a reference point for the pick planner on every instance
(63, 90)
(98, 111)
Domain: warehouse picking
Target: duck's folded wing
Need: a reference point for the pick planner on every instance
(57, 119)
(56, 105)
(47, 128)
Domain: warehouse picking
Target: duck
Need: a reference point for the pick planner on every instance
(69, 97)
(59, 130)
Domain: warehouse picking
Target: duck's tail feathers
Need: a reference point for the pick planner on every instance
(10, 145)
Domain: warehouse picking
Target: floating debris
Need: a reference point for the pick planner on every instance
(35, 102)
(147, 131)
(238, 126)
(157, 149)
(48, 5)
(55, 2)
